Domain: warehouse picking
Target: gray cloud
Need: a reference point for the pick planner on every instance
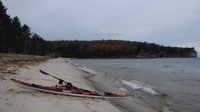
(168, 22)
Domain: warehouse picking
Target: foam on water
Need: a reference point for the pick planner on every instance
(83, 68)
(138, 85)
(87, 70)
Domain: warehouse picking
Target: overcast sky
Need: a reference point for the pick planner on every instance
(166, 22)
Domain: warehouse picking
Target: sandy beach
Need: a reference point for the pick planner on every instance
(15, 99)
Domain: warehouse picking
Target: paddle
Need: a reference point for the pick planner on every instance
(45, 73)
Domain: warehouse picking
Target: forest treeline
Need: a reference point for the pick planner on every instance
(16, 37)
(117, 49)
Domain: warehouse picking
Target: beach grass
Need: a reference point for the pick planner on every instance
(9, 63)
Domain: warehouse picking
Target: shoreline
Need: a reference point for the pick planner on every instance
(13, 98)
(100, 82)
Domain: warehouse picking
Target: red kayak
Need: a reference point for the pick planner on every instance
(74, 91)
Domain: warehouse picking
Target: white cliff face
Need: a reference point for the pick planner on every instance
(195, 45)
(193, 54)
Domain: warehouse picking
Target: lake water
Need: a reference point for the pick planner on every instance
(173, 81)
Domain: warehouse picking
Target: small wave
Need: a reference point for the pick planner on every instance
(83, 68)
(167, 66)
(87, 70)
(134, 84)
(123, 90)
(124, 67)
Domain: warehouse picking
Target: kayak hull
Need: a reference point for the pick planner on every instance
(61, 91)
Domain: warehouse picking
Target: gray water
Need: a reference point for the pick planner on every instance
(177, 78)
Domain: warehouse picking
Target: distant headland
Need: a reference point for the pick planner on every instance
(117, 49)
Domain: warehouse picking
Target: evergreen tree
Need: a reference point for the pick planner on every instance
(4, 28)
(27, 37)
(17, 35)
